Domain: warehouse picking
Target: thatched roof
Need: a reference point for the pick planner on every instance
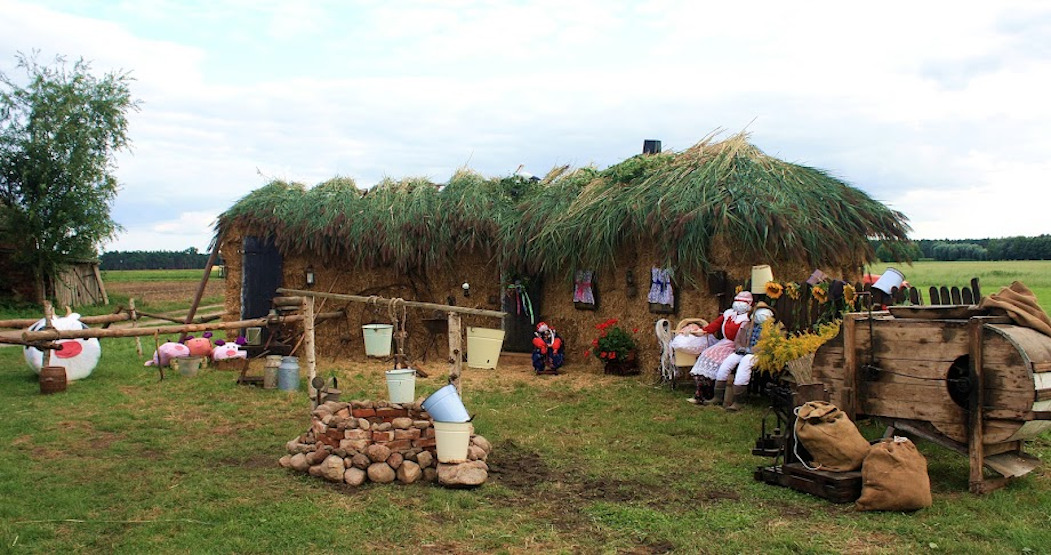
(713, 197)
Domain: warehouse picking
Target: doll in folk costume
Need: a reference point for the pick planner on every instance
(742, 358)
(707, 365)
(548, 350)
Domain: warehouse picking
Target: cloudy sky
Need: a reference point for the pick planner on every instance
(939, 109)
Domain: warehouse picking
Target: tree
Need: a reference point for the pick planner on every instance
(59, 133)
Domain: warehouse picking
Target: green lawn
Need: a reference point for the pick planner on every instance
(119, 276)
(583, 463)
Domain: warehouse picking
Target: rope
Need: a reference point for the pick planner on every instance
(795, 442)
(399, 326)
(667, 361)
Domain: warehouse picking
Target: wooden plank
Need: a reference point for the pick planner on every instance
(1041, 366)
(976, 290)
(935, 297)
(998, 448)
(102, 286)
(1012, 465)
(308, 345)
(968, 298)
(976, 418)
(382, 301)
(927, 403)
(914, 296)
(954, 293)
(943, 292)
(850, 369)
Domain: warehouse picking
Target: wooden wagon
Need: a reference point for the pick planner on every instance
(955, 375)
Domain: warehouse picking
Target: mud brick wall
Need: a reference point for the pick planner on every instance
(378, 441)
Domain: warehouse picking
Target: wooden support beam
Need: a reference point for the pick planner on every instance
(975, 408)
(383, 301)
(308, 345)
(850, 367)
(51, 335)
(455, 350)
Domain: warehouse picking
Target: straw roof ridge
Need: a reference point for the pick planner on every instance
(713, 204)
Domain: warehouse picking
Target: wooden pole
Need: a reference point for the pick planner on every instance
(455, 350)
(308, 344)
(975, 416)
(380, 300)
(135, 324)
(204, 282)
(850, 367)
(51, 335)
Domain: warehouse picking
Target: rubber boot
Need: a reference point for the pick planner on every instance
(733, 393)
(697, 398)
(720, 391)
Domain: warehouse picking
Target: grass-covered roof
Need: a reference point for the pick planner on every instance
(690, 206)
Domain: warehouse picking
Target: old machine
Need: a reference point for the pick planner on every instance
(962, 377)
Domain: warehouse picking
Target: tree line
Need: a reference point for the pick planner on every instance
(153, 260)
(1007, 248)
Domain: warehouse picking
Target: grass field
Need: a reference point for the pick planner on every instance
(1035, 274)
(582, 463)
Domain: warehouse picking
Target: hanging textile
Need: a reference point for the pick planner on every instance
(523, 305)
(584, 290)
(661, 297)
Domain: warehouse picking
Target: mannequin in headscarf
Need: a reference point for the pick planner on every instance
(742, 358)
(548, 350)
(707, 366)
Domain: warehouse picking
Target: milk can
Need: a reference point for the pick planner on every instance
(288, 374)
(270, 371)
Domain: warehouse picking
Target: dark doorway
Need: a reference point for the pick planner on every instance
(260, 278)
(523, 304)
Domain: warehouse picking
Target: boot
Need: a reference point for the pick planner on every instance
(720, 390)
(698, 396)
(733, 393)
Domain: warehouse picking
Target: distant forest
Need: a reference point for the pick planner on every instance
(153, 260)
(1008, 248)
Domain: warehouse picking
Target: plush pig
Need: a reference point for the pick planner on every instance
(166, 352)
(227, 351)
(200, 346)
(78, 356)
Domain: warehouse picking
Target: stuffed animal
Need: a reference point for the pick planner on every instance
(78, 356)
(200, 346)
(166, 352)
(227, 351)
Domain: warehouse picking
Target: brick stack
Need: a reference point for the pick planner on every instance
(381, 442)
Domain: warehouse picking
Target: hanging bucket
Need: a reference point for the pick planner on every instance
(273, 362)
(890, 279)
(52, 379)
(288, 374)
(445, 405)
(401, 385)
(483, 347)
(377, 339)
(188, 366)
(761, 275)
(452, 440)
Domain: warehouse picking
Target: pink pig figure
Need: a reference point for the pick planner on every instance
(227, 351)
(199, 346)
(166, 352)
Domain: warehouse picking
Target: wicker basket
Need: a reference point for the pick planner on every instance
(801, 369)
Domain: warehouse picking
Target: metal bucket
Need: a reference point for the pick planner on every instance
(288, 374)
(52, 379)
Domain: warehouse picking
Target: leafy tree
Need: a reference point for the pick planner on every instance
(59, 131)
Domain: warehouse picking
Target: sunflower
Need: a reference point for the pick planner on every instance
(774, 290)
(792, 289)
(820, 293)
(849, 294)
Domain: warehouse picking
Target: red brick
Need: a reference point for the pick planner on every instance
(364, 413)
(426, 442)
(382, 436)
(357, 433)
(399, 445)
(391, 413)
(412, 433)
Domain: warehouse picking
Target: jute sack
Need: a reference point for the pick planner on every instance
(832, 439)
(894, 478)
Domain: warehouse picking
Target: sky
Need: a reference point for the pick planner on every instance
(938, 109)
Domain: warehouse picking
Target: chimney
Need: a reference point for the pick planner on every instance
(651, 146)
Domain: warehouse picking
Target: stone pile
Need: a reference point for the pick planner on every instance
(381, 442)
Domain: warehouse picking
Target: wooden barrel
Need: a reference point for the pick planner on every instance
(52, 379)
(920, 373)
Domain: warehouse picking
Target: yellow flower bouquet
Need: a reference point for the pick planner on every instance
(776, 348)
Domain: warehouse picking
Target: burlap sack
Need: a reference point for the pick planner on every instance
(832, 439)
(894, 478)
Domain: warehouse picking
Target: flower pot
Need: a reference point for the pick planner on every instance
(628, 366)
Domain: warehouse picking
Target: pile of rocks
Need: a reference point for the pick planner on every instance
(380, 442)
